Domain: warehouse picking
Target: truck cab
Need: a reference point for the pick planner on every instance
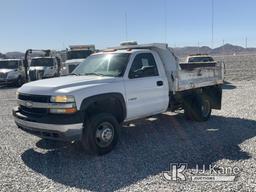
(12, 72)
(43, 67)
(76, 54)
(117, 85)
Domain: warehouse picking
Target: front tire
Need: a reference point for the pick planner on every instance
(19, 82)
(100, 134)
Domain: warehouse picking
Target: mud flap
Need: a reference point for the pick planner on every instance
(215, 95)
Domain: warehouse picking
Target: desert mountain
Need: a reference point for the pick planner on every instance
(226, 49)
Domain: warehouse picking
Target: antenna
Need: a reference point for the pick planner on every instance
(212, 24)
(126, 33)
(223, 48)
(165, 21)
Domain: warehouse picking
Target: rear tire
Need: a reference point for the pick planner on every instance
(188, 110)
(100, 134)
(201, 108)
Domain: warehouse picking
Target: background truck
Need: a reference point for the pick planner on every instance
(201, 60)
(120, 84)
(12, 72)
(76, 54)
(47, 65)
(44, 67)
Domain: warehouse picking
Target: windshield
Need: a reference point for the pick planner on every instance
(113, 65)
(81, 54)
(200, 59)
(44, 62)
(9, 64)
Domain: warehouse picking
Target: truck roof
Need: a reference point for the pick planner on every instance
(111, 51)
(10, 59)
(141, 46)
(81, 47)
(42, 57)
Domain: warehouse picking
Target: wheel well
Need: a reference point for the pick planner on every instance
(214, 94)
(110, 103)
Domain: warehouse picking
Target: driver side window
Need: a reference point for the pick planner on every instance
(143, 65)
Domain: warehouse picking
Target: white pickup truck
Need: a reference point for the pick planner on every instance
(117, 85)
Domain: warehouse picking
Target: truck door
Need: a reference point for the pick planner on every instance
(146, 90)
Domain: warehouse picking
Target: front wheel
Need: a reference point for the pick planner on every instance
(19, 82)
(100, 134)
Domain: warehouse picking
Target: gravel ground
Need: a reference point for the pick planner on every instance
(144, 153)
(239, 67)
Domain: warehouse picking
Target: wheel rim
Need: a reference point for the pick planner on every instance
(206, 107)
(104, 134)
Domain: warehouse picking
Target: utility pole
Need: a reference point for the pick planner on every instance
(198, 45)
(212, 24)
(223, 48)
(165, 21)
(246, 42)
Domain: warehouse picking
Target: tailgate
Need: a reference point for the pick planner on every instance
(196, 76)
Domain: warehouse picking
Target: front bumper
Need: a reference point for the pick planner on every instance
(55, 127)
(8, 81)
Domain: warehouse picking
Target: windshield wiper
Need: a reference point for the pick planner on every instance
(97, 74)
(74, 74)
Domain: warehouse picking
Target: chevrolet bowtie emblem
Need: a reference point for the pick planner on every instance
(28, 104)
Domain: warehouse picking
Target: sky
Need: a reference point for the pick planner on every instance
(56, 24)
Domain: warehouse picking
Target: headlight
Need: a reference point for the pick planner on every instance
(66, 105)
(17, 95)
(62, 99)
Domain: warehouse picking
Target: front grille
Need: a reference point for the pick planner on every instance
(34, 98)
(71, 68)
(36, 74)
(3, 75)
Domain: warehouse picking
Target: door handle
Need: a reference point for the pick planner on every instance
(159, 83)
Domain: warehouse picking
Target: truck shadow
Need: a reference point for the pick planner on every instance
(229, 86)
(146, 148)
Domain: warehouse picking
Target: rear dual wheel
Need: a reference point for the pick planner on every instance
(198, 108)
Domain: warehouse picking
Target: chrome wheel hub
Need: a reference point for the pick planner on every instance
(104, 134)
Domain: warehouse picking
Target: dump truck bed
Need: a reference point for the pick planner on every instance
(192, 76)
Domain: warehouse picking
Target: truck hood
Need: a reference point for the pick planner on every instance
(63, 85)
(6, 70)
